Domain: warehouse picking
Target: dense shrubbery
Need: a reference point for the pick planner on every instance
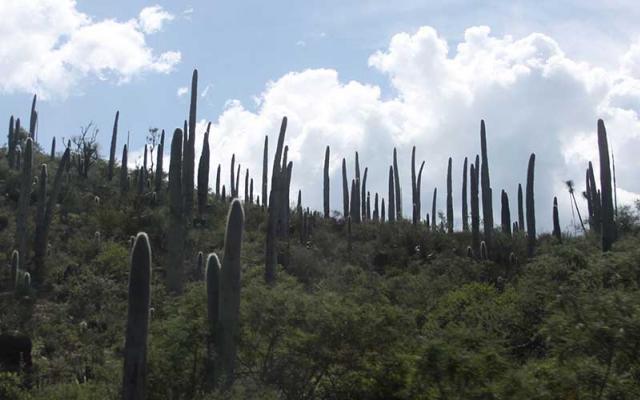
(406, 315)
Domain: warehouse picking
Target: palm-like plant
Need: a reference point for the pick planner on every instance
(570, 187)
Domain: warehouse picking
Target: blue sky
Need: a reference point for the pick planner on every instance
(288, 55)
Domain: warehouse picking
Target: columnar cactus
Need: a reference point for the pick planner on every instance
(124, 172)
(396, 178)
(218, 182)
(112, 150)
(392, 194)
(505, 213)
(382, 212)
(368, 213)
(246, 186)
(363, 194)
(15, 263)
(596, 203)
(521, 225)
(556, 220)
(356, 213)
(251, 191)
(45, 211)
(159, 162)
(608, 223)
(449, 198)
(325, 183)
(229, 303)
(233, 174)
(433, 209)
(278, 179)
(53, 149)
(531, 212)
(349, 238)
(265, 167)
(212, 283)
(203, 174)
(23, 201)
(188, 163)
(11, 143)
(415, 187)
(345, 190)
(475, 207)
(176, 216)
(376, 210)
(237, 185)
(33, 119)
(465, 211)
(487, 202)
(135, 346)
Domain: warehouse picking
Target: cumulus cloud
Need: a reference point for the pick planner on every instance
(182, 91)
(533, 97)
(48, 46)
(152, 18)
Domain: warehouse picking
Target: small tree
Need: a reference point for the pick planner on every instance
(153, 139)
(85, 149)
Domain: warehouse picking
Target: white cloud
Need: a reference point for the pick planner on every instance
(301, 43)
(182, 91)
(532, 96)
(48, 46)
(152, 18)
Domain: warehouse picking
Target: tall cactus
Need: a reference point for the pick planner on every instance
(33, 119)
(159, 162)
(465, 211)
(356, 214)
(345, 190)
(449, 198)
(53, 149)
(434, 209)
(246, 186)
(521, 225)
(278, 176)
(606, 193)
(265, 167)
(355, 199)
(396, 179)
(415, 187)
(218, 182)
(112, 151)
(325, 183)
(188, 164)
(382, 212)
(505, 213)
(212, 282)
(135, 346)
(176, 216)
(229, 303)
(233, 176)
(251, 191)
(392, 194)
(124, 171)
(475, 208)
(376, 210)
(363, 195)
(237, 185)
(15, 264)
(203, 174)
(487, 202)
(531, 212)
(556, 220)
(44, 214)
(23, 201)
(596, 201)
(11, 143)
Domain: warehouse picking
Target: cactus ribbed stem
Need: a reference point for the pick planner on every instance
(218, 182)
(203, 174)
(176, 214)
(556, 220)
(135, 347)
(345, 190)
(112, 150)
(396, 178)
(363, 195)
(212, 282)
(325, 183)
(531, 212)
(276, 197)
(24, 199)
(475, 208)
(449, 198)
(465, 211)
(265, 167)
(434, 226)
(521, 224)
(505, 213)
(392, 201)
(487, 202)
(606, 193)
(124, 171)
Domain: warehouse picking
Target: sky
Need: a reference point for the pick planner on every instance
(362, 76)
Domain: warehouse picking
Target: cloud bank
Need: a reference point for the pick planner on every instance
(532, 97)
(48, 46)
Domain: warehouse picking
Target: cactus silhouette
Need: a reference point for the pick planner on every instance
(392, 202)
(396, 179)
(433, 209)
(556, 220)
(52, 156)
(176, 216)
(608, 225)
(112, 150)
(531, 212)
(475, 207)
(212, 284)
(465, 210)
(505, 213)
(203, 174)
(124, 171)
(325, 197)
(449, 198)
(345, 190)
(521, 223)
(135, 346)
(229, 303)
(265, 167)
(159, 162)
(26, 179)
(189, 139)
(487, 202)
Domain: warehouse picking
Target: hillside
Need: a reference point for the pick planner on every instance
(354, 310)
